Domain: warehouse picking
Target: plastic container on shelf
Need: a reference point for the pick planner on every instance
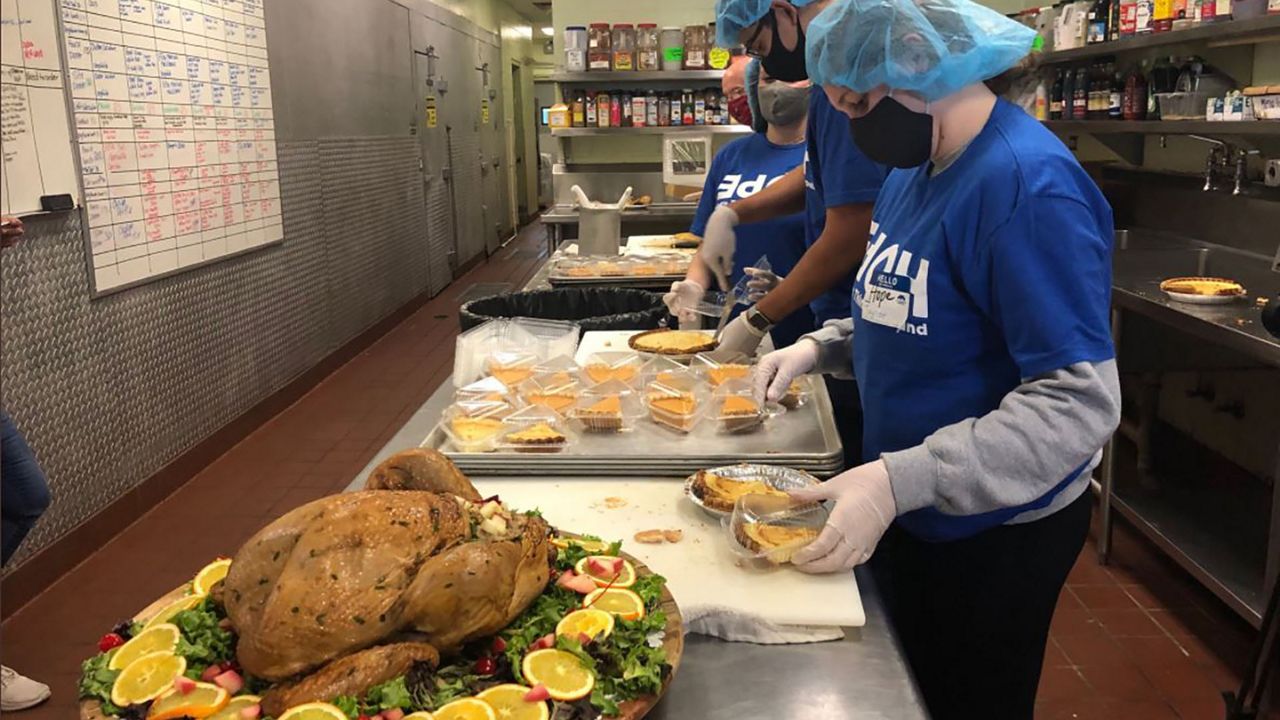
(772, 528)
(610, 407)
(648, 48)
(624, 46)
(737, 411)
(575, 49)
(1265, 100)
(1183, 105)
(720, 366)
(599, 47)
(557, 392)
(696, 47)
(671, 41)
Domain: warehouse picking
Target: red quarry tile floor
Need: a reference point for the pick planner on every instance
(1136, 640)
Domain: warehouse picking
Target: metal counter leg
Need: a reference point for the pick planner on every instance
(1108, 472)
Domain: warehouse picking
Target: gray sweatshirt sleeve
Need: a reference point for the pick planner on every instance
(1043, 430)
(835, 348)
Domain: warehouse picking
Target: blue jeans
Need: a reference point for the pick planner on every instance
(24, 493)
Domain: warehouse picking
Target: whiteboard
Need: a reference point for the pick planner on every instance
(35, 140)
(171, 108)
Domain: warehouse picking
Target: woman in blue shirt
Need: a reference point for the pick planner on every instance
(980, 340)
(741, 169)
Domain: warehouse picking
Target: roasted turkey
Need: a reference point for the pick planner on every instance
(338, 583)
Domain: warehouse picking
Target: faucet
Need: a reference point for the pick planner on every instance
(1242, 167)
(1219, 156)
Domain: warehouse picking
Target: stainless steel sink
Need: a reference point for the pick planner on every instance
(1147, 256)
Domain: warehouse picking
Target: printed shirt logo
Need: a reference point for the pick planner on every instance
(735, 187)
(892, 287)
(808, 173)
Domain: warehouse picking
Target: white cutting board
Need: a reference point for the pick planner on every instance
(700, 569)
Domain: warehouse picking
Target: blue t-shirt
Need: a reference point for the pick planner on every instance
(994, 271)
(741, 169)
(835, 173)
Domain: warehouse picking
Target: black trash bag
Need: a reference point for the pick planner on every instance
(593, 308)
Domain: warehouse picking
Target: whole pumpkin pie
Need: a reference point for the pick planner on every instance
(720, 493)
(1203, 286)
(539, 437)
(673, 342)
(605, 415)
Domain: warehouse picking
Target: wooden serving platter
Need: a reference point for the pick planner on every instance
(673, 642)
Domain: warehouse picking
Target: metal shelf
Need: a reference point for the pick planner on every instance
(1262, 29)
(612, 76)
(1165, 127)
(671, 130)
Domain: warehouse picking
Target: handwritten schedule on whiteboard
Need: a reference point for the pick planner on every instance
(35, 140)
(171, 103)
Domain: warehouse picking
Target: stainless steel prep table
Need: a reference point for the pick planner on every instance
(664, 214)
(861, 677)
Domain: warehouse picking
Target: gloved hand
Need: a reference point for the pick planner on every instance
(683, 299)
(719, 241)
(864, 509)
(739, 336)
(778, 369)
(762, 282)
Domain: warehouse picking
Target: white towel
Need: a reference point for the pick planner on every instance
(736, 626)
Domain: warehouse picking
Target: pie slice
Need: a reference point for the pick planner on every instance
(473, 434)
(673, 342)
(740, 413)
(552, 401)
(511, 376)
(599, 373)
(538, 438)
(604, 415)
(724, 373)
(1203, 286)
(794, 396)
(720, 493)
(674, 411)
(778, 542)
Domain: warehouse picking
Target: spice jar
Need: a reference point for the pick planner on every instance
(695, 47)
(624, 46)
(575, 48)
(647, 47)
(718, 58)
(604, 105)
(599, 47)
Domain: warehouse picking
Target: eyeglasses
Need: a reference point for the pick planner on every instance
(765, 22)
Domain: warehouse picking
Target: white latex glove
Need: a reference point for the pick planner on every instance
(864, 509)
(739, 336)
(718, 244)
(762, 282)
(683, 300)
(778, 369)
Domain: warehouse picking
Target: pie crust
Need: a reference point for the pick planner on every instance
(718, 376)
(780, 542)
(720, 493)
(740, 413)
(672, 342)
(475, 430)
(537, 438)
(674, 411)
(603, 416)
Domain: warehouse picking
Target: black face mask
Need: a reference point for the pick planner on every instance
(781, 63)
(893, 135)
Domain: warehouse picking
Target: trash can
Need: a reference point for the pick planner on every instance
(592, 308)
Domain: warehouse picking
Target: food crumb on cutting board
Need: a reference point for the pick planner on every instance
(659, 536)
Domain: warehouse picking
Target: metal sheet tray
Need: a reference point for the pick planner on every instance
(805, 439)
(640, 281)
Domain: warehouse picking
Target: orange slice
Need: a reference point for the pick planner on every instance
(618, 601)
(625, 576)
(589, 621)
(563, 674)
(204, 700)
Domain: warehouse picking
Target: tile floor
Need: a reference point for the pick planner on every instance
(1136, 639)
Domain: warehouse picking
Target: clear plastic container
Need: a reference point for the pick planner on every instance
(648, 52)
(736, 410)
(489, 389)
(624, 46)
(550, 337)
(1182, 105)
(599, 47)
(557, 392)
(603, 367)
(671, 40)
(696, 47)
(799, 393)
(720, 366)
(676, 402)
(658, 369)
(575, 48)
(610, 407)
(511, 367)
(560, 364)
(474, 427)
(534, 430)
(771, 528)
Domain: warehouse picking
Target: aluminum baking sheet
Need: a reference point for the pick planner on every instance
(805, 439)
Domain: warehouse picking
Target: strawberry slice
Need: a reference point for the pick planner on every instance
(184, 685)
(538, 693)
(230, 681)
(251, 713)
(544, 642)
(393, 714)
(581, 584)
(211, 672)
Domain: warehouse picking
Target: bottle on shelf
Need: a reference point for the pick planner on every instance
(604, 108)
(1055, 97)
(592, 108)
(1113, 21)
(1222, 11)
(1162, 18)
(1069, 94)
(1128, 18)
(1135, 95)
(664, 110)
(637, 110)
(1096, 105)
(677, 110)
(599, 47)
(700, 108)
(651, 109)
(1208, 11)
(1080, 107)
(1144, 17)
(615, 111)
(686, 107)
(1115, 108)
(1096, 28)
(1042, 101)
(578, 110)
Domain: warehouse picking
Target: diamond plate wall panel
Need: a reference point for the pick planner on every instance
(376, 183)
(109, 391)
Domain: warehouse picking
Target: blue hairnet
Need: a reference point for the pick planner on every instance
(734, 16)
(931, 47)
(753, 96)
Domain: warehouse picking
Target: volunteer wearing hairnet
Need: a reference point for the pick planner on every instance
(739, 170)
(981, 344)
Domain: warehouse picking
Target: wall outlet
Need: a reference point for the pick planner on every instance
(1275, 264)
(1271, 174)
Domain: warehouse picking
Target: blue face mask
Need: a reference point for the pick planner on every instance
(894, 135)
